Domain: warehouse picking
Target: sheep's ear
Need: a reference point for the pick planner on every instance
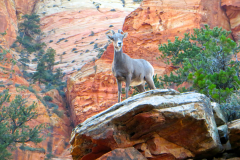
(110, 37)
(125, 35)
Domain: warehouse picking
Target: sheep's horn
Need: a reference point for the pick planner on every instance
(110, 31)
(120, 31)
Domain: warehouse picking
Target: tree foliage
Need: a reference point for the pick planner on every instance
(40, 74)
(49, 58)
(13, 123)
(28, 31)
(205, 60)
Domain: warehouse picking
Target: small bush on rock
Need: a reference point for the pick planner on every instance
(47, 98)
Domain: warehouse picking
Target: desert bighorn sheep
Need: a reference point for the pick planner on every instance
(134, 72)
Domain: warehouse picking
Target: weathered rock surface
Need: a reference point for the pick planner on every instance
(223, 133)
(8, 19)
(126, 154)
(158, 123)
(232, 8)
(218, 114)
(234, 134)
(58, 135)
(154, 22)
(11, 13)
(76, 29)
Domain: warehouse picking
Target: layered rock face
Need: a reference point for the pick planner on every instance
(232, 8)
(57, 134)
(234, 134)
(153, 23)
(8, 19)
(10, 14)
(160, 124)
(76, 29)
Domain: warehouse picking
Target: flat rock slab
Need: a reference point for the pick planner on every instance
(158, 123)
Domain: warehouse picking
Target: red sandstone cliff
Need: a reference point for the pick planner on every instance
(57, 136)
(232, 8)
(94, 88)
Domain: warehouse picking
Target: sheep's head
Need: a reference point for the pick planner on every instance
(117, 38)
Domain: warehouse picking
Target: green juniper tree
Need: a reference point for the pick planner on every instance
(40, 74)
(28, 30)
(26, 42)
(13, 127)
(49, 58)
(207, 60)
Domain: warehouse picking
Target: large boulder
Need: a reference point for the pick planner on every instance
(234, 134)
(158, 123)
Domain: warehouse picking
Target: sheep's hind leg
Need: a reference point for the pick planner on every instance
(128, 80)
(141, 87)
(150, 82)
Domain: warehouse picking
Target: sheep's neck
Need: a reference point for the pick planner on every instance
(118, 56)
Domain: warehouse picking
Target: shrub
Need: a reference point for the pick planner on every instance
(92, 33)
(204, 60)
(100, 52)
(95, 46)
(14, 45)
(24, 148)
(61, 39)
(51, 105)
(34, 60)
(32, 90)
(231, 108)
(58, 113)
(47, 98)
(17, 85)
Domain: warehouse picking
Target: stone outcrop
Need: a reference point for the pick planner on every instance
(158, 123)
(234, 134)
(218, 114)
(232, 8)
(126, 154)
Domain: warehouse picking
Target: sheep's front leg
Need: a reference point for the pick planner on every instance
(119, 83)
(128, 80)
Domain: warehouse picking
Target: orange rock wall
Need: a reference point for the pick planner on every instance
(10, 13)
(8, 21)
(153, 23)
(232, 8)
(57, 135)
